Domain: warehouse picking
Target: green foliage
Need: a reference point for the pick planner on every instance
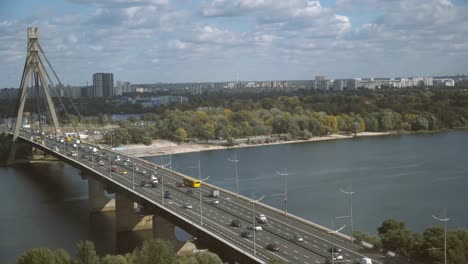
(86, 253)
(207, 258)
(118, 259)
(154, 252)
(180, 135)
(44, 256)
(395, 236)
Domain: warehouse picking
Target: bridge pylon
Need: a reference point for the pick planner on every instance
(34, 73)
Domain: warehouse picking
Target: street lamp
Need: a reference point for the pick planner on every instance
(284, 174)
(133, 175)
(350, 193)
(200, 191)
(445, 219)
(253, 219)
(333, 231)
(235, 160)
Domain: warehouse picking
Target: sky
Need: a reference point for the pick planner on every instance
(149, 41)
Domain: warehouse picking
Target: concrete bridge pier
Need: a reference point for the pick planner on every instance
(165, 230)
(127, 216)
(98, 201)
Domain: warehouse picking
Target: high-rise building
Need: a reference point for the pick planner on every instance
(103, 85)
(321, 83)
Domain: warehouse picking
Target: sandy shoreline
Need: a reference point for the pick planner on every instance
(164, 147)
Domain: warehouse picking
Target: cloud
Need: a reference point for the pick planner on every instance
(179, 40)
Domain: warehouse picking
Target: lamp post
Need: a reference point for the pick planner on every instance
(200, 191)
(445, 219)
(133, 175)
(285, 174)
(235, 160)
(253, 220)
(333, 231)
(350, 193)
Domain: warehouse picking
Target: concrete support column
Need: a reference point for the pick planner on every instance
(165, 230)
(98, 201)
(128, 219)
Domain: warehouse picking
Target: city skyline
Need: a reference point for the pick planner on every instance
(148, 41)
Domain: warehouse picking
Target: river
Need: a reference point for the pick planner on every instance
(407, 177)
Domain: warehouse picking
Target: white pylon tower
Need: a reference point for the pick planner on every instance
(34, 72)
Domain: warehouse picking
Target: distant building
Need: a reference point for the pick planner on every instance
(321, 83)
(103, 85)
(339, 85)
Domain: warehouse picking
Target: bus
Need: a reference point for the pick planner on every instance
(192, 182)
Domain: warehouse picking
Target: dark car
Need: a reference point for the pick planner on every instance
(334, 249)
(273, 247)
(236, 223)
(246, 234)
(190, 191)
(167, 195)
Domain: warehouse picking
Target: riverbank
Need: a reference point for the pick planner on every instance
(164, 147)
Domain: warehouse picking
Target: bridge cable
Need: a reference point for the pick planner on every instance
(61, 85)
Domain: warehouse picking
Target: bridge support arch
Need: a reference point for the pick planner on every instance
(127, 217)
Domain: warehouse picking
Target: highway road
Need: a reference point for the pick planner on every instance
(217, 217)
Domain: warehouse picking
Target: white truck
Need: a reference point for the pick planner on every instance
(365, 260)
(215, 193)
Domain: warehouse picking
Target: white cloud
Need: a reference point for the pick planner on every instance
(176, 40)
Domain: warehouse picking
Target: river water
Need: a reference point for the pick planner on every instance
(405, 177)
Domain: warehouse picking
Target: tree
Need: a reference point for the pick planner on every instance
(86, 253)
(395, 236)
(180, 135)
(109, 259)
(44, 256)
(154, 251)
(433, 245)
(206, 257)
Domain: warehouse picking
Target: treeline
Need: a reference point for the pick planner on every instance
(428, 247)
(151, 252)
(208, 123)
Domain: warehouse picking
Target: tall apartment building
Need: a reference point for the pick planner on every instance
(103, 85)
(321, 83)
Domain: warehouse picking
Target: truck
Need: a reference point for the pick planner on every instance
(215, 193)
(365, 260)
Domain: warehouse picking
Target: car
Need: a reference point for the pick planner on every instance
(144, 172)
(147, 184)
(136, 168)
(127, 160)
(124, 172)
(261, 219)
(180, 184)
(256, 228)
(125, 164)
(215, 202)
(187, 205)
(101, 163)
(337, 256)
(298, 238)
(167, 195)
(190, 191)
(365, 260)
(113, 169)
(273, 247)
(235, 223)
(246, 234)
(334, 249)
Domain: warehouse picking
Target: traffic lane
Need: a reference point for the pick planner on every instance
(90, 150)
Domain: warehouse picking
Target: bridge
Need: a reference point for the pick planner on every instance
(227, 223)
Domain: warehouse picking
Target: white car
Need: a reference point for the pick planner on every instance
(337, 256)
(188, 206)
(261, 218)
